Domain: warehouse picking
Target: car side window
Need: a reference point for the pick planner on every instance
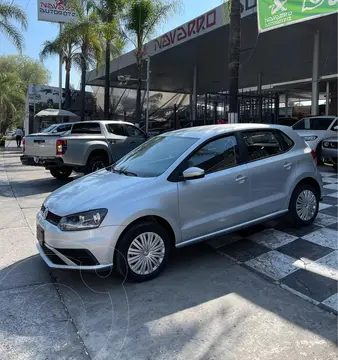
(334, 125)
(261, 144)
(117, 129)
(86, 128)
(134, 131)
(216, 155)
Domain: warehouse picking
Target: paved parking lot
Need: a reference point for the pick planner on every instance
(204, 306)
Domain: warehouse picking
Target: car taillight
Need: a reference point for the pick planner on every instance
(313, 153)
(23, 145)
(61, 147)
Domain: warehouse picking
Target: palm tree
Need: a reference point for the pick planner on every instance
(12, 12)
(109, 12)
(69, 51)
(140, 21)
(86, 30)
(11, 100)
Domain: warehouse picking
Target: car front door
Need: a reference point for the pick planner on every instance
(136, 136)
(119, 142)
(218, 200)
(270, 166)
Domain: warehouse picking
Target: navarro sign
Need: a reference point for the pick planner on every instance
(55, 11)
(192, 29)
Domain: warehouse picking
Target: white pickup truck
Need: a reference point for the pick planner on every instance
(87, 147)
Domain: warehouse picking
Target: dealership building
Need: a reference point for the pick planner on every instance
(279, 70)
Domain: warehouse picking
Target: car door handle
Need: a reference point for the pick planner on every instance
(132, 142)
(241, 179)
(287, 166)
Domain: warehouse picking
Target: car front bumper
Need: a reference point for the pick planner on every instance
(77, 250)
(330, 156)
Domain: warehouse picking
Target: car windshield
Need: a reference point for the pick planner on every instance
(153, 157)
(313, 123)
(49, 129)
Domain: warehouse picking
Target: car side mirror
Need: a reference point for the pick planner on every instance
(335, 128)
(193, 173)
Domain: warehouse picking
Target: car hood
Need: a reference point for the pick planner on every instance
(93, 191)
(333, 139)
(318, 133)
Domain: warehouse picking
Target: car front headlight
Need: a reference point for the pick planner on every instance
(83, 221)
(326, 144)
(310, 138)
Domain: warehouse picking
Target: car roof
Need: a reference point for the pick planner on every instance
(105, 122)
(208, 131)
(320, 117)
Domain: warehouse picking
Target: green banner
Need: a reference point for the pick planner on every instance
(273, 14)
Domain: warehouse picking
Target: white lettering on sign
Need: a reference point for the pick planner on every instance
(55, 11)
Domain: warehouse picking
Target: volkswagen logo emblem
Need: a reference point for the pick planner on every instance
(45, 213)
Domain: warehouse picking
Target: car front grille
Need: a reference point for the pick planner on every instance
(52, 256)
(53, 218)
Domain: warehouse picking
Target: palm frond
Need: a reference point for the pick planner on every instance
(12, 34)
(10, 11)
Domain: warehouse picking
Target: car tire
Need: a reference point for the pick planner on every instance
(95, 163)
(62, 173)
(304, 194)
(319, 154)
(130, 244)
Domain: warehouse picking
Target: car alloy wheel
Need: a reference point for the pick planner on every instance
(306, 205)
(98, 165)
(146, 253)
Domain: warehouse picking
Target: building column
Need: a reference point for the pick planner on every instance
(315, 74)
(194, 95)
(286, 95)
(327, 97)
(333, 108)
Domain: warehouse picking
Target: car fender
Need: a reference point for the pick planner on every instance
(96, 145)
(301, 177)
(155, 212)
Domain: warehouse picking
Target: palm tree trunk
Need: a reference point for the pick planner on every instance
(67, 86)
(138, 94)
(83, 85)
(233, 57)
(107, 82)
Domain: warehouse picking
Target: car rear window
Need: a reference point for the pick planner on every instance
(86, 128)
(314, 123)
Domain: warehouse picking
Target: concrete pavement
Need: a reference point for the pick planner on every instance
(204, 306)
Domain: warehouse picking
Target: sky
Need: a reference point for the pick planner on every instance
(38, 32)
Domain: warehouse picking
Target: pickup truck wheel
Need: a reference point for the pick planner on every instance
(62, 173)
(95, 163)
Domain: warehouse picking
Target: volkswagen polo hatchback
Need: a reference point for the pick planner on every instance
(177, 189)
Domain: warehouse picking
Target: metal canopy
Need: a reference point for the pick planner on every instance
(283, 55)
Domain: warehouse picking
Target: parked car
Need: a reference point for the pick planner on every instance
(87, 147)
(330, 152)
(39, 139)
(287, 121)
(315, 129)
(177, 189)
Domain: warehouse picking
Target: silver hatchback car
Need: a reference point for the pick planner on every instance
(177, 189)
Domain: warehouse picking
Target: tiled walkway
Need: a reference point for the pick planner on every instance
(302, 260)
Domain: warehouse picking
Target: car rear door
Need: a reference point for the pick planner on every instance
(217, 201)
(270, 166)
